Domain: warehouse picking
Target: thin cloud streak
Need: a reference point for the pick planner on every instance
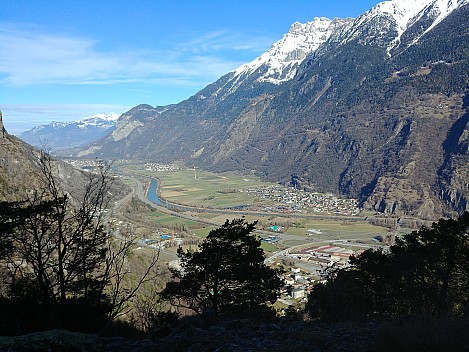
(29, 56)
(225, 40)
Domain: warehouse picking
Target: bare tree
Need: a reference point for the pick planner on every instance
(57, 247)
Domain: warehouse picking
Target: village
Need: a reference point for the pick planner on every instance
(305, 266)
(290, 199)
(160, 167)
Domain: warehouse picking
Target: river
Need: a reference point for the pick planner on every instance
(152, 193)
(152, 196)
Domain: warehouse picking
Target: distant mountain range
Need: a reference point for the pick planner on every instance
(374, 107)
(21, 175)
(61, 135)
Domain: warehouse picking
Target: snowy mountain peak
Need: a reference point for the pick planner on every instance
(401, 10)
(98, 119)
(383, 25)
(280, 62)
(405, 13)
(59, 135)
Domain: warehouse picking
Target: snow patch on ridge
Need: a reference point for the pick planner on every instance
(389, 19)
(282, 59)
(446, 7)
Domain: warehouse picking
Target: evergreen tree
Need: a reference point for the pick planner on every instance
(226, 275)
(426, 272)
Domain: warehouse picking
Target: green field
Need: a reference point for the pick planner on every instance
(128, 182)
(203, 232)
(335, 229)
(163, 219)
(268, 247)
(205, 189)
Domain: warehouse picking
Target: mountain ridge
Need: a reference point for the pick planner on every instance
(352, 119)
(70, 134)
(20, 170)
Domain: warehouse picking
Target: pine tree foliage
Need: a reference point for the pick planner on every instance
(226, 275)
(425, 273)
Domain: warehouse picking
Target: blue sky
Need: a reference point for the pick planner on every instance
(63, 60)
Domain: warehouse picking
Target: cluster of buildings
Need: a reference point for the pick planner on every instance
(161, 241)
(298, 284)
(300, 280)
(84, 164)
(271, 239)
(289, 199)
(324, 257)
(160, 167)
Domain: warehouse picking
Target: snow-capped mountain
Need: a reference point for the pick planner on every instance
(388, 20)
(373, 108)
(71, 134)
(384, 25)
(99, 120)
(399, 12)
(282, 59)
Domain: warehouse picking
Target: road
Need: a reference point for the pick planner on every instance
(138, 190)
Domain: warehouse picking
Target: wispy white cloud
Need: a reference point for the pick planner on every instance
(140, 90)
(225, 40)
(29, 56)
(22, 117)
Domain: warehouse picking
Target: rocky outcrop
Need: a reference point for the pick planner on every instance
(2, 127)
(246, 335)
(230, 336)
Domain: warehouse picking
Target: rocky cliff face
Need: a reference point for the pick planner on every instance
(373, 108)
(18, 167)
(128, 122)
